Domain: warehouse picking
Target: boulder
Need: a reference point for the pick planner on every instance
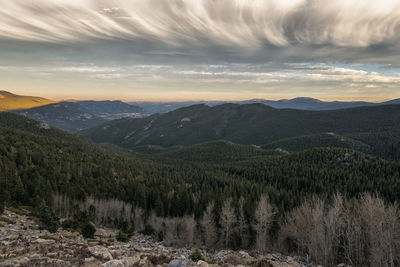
(44, 241)
(132, 260)
(178, 263)
(100, 252)
(244, 254)
(116, 263)
(201, 263)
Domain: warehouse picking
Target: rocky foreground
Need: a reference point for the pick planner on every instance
(23, 244)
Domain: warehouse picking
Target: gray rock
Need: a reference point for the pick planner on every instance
(202, 263)
(178, 263)
(44, 241)
(116, 263)
(100, 252)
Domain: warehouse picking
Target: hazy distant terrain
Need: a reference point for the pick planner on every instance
(302, 103)
(79, 115)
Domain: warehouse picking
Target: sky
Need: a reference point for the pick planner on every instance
(176, 50)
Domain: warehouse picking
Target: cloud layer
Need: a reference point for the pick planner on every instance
(232, 23)
(202, 48)
(218, 81)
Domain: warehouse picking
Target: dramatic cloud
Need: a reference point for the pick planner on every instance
(203, 48)
(243, 23)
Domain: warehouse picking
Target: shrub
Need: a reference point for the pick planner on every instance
(122, 237)
(261, 263)
(159, 260)
(148, 230)
(49, 221)
(130, 232)
(196, 255)
(6, 220)
(233, 259)
(70, 224)
(88, 230)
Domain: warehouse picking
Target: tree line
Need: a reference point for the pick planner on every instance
(361, 231)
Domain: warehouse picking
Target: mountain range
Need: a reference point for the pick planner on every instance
(302, 103)
(186, 165)
(252, 124)
(74, 116)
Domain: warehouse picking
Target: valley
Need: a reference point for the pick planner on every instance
(200, 133)
(236, 176)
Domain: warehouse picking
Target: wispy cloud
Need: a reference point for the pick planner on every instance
(244, 23)
(233, 73)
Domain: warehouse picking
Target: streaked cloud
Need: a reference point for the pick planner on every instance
(233, 48)
(244, 23)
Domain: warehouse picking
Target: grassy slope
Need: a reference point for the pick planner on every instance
(10, 101)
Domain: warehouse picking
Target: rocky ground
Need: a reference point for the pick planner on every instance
(23, 244)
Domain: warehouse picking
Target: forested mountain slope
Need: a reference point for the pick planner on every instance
(255, 124)
(167, 193)
(37, 159)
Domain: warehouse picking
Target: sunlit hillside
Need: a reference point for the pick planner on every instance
(9, 101)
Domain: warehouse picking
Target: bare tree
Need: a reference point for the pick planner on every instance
(363, 232)
(263, 218)
(242, 224)
(355, 242)
(316, 246)
(334, 227)
(381, 224)
(299, 226)
(208, 225)
(228, 219)
(317, 229)
(188, 226)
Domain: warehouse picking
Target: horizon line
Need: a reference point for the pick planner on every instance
(177, 100)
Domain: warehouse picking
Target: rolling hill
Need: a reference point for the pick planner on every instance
(9, 101)
(251, 124)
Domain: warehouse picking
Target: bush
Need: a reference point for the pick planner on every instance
(49, 221)
(1, 207)
(159, 260)
(70, 224)
(88, 230)
(233, 260)
(196, 256)
(148, 230)
(6, 220)
(261, 263)
(122, 237)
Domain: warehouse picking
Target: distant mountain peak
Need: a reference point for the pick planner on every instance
(3, 92)
(304, 99)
